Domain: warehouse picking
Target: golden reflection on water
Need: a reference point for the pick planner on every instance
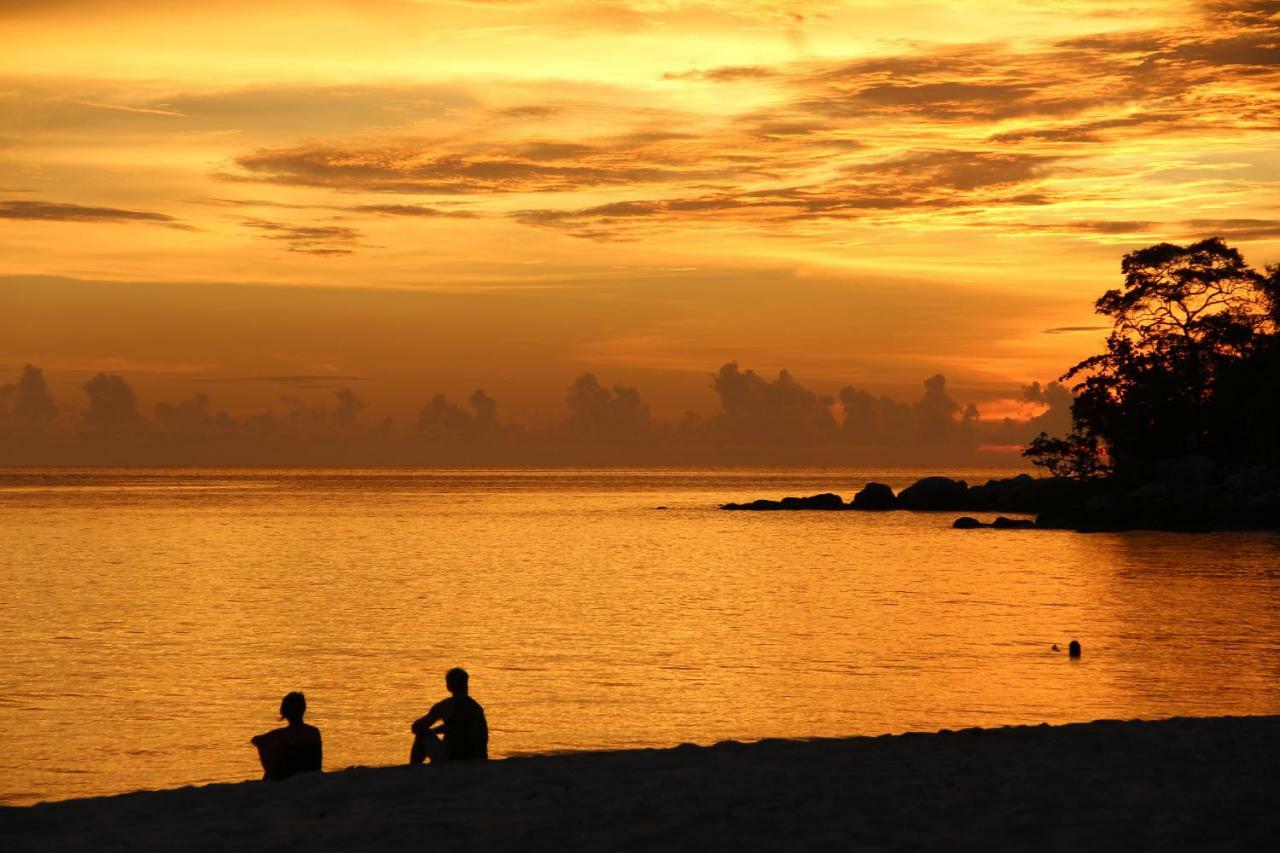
(152, 620)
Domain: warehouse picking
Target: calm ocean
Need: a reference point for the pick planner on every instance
(151, 620)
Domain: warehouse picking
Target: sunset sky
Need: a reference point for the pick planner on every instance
(412, 197)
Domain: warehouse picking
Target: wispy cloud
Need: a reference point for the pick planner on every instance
(1067, 330)
(725, 74)
(446, 167)
(308, 239)
(125, 108)
(48, 211)
(1234, 229)
(411, 210)
(914, 181)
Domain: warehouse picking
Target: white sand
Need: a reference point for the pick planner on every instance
(1183, 784)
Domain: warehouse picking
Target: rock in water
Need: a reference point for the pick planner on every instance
(1002, 523)
(759, 505)
(935, 493)
(874, 497)
(967, 522)
(824, 501)
(1017, 494)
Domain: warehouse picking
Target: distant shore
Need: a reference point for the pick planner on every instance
(1190, 495)
(1180, 784)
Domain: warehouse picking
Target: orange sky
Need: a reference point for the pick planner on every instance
(436, 196)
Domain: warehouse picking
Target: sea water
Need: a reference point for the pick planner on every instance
(151, 620)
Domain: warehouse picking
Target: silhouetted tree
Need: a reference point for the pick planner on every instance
(1190, 359)
(1076, 455)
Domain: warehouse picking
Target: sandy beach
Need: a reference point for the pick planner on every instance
(1179, 784)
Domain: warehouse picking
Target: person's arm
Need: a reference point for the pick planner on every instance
(267, 749)
(437, 714)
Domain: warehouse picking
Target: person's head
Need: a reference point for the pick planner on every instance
(456, 680)
(293, 706)
(1074, 649)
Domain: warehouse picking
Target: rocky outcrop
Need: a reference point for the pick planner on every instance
(1027, 494)
(1012, 494)
(1002, 523)
(1187, 495)
(968, 522)
(1191, 495)
(825, 501)
(935, 493)
(874, 497)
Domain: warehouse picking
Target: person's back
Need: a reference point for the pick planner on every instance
(466, 732)
(291, 750)
(294, 749)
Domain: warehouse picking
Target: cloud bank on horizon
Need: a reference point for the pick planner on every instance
(758, 421)
(863, 191)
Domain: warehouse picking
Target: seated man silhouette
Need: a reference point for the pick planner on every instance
(294, 749)
(461, 722)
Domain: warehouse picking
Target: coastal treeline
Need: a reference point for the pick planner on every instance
(1191, 369)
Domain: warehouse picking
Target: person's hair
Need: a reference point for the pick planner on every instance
(456, 679)
(293, 706)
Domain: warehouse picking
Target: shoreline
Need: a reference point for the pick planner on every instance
(1182, 783)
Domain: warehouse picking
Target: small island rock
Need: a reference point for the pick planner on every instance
(874, 497)
(1002, 523)
(935, 493)
(824, 501)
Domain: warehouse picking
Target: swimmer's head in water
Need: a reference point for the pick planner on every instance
(293, 706)
(456, 680)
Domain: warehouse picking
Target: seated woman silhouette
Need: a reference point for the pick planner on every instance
(293, 749)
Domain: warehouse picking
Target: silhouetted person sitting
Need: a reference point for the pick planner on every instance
(291, 750)
(460, 720)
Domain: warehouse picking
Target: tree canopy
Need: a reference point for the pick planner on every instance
(1191, 367)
